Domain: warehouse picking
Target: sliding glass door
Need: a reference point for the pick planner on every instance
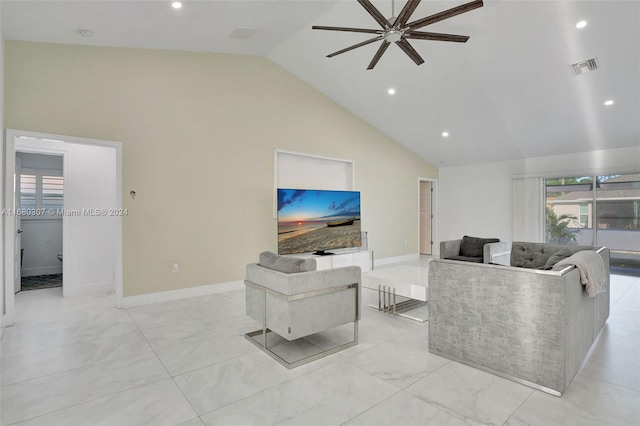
(597, 210)
(618, 220)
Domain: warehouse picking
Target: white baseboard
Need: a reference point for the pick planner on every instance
(184, 293)
(397, 259)
(87, 290)
(47, 270)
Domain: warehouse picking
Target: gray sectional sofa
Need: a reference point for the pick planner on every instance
(528, 324)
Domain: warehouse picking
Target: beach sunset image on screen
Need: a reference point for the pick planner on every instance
(317, 220)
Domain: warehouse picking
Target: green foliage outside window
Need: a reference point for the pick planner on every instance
(557, 228)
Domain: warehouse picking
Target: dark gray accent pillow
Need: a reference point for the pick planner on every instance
(473, 246)
(527, 255)
(557, 257)
(286, 264)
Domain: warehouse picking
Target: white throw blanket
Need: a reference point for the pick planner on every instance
(592, 273)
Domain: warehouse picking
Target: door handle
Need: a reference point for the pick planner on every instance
(20, 231)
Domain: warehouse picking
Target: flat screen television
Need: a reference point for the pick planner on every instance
(312, 220)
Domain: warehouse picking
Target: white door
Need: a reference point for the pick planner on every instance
(17, 258)
(426, 217)
(17, 245)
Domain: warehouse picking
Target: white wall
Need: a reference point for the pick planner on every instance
(41, 241)
(2, 145)
(477, 200)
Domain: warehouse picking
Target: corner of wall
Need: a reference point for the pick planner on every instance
(2, 149)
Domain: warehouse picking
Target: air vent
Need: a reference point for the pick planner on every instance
(242, 33)
(585, 66)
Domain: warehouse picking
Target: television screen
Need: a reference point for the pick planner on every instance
(311, 220)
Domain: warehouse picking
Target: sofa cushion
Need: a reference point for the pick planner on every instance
(536, 255)
(473, 246)
(286, 264)
(528, 255)
(466, 258)
(557, 257)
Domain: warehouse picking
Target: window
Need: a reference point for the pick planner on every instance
(27, 199)
(52, 192)
(584, 215)
(568, 209)
(597, 210)
(40, 193)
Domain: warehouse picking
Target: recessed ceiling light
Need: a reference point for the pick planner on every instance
(445, 134)
(391, 91)
(608, 102)
(581, 24)
(176, 5)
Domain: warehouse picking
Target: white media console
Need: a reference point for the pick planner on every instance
(361, 258)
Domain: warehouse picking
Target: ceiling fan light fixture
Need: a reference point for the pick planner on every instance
(392, 36)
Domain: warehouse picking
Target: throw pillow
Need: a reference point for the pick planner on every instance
(473, 246)
(557, 257)
(286, 264)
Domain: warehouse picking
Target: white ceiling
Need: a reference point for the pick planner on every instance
(507, 93)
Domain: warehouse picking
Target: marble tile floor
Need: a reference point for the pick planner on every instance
(82, 362)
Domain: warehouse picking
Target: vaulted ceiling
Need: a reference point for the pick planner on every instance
(508, 93)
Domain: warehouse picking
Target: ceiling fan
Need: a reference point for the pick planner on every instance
(397, 30)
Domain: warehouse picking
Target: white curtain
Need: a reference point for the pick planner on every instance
(528, 209)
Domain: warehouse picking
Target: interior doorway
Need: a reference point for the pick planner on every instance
(427, 216)
(39, 189)
(91, 235)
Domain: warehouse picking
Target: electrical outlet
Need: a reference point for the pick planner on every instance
(175, 267)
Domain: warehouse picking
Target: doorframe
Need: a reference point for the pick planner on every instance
(435, 248)
(9, 203)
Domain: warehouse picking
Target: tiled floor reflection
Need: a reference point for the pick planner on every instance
(82, 362)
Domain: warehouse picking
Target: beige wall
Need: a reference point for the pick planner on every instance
(198, 133)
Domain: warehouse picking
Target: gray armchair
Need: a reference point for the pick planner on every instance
(292, 299)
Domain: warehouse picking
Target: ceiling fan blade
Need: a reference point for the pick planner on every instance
(445, 15)
(378, 54)
(420, 35)
(354, 30)
(355, 46)
(406, 12)
(409, 50)
(379, 17)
